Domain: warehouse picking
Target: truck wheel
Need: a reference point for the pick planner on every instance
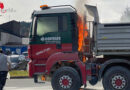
(116, 78)
(66, 78)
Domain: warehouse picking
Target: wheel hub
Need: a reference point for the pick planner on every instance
(118, 82)
(65, 81)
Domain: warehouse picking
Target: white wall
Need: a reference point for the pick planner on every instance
(12, 38)
(25, 41)
(6, 38)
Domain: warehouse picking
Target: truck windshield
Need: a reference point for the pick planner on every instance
(46, 24)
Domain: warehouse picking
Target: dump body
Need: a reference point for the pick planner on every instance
(112, 39)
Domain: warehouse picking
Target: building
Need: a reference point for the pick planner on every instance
(11, 39)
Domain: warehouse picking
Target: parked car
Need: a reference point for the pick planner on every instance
(26, 55)
(18, 62)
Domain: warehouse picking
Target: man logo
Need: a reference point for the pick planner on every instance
(2, 7)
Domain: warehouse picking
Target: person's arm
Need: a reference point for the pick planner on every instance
(9, 63)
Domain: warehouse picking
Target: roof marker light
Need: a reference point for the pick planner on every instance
(44, 6)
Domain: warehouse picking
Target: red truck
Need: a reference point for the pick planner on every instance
(72, 50)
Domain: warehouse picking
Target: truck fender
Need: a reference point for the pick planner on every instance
(60, 56)
(83, 72)
(111, 62)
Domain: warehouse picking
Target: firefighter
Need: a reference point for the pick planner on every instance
(5, 65)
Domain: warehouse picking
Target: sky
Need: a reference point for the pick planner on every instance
(112, 10)
(20, 10)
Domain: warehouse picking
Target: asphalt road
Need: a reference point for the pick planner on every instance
(27, 84)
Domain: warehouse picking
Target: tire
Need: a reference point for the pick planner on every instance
(116, 78)
(66, 78)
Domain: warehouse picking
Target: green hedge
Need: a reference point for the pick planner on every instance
(18, 73)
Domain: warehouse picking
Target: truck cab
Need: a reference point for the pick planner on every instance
(53, 31)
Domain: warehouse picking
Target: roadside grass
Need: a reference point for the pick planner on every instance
(18, 73)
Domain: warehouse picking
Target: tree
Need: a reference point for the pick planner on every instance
(126, 15)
